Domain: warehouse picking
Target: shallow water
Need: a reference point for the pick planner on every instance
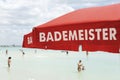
(57, 65)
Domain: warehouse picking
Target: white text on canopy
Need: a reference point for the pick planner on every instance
(29, 40)
(75, 35)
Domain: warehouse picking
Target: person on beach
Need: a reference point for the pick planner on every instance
(9, 61)
(80, 66)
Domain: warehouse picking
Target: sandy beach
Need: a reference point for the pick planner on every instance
(57, 65)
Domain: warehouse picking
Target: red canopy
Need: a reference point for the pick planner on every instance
(28, 41)
(96, 29)
(87, 15)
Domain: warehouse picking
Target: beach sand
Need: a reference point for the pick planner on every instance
(57, 65)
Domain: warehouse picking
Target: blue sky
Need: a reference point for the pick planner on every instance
(18, 17)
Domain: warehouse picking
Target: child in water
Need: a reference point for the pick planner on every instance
(83, 68)
(9, 61)
(80, 66)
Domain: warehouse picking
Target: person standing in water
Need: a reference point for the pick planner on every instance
(9, 62)
(79, 65)
(67, 52)
(6, 52)
(23, 53)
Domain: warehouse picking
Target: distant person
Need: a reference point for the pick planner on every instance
(35, 51)
(6, 52)
(87, 53)
(79, 65)
(23, 53)
(66, 52)
(9, 61)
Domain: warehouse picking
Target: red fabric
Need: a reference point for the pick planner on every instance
(83, 19)
(93, 14)
(106, 48)
(73, 45)
(28, 41)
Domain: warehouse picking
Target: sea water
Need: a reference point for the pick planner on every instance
(39, 64)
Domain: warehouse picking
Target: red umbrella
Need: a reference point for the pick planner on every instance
(96, 29)
(28, 41)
